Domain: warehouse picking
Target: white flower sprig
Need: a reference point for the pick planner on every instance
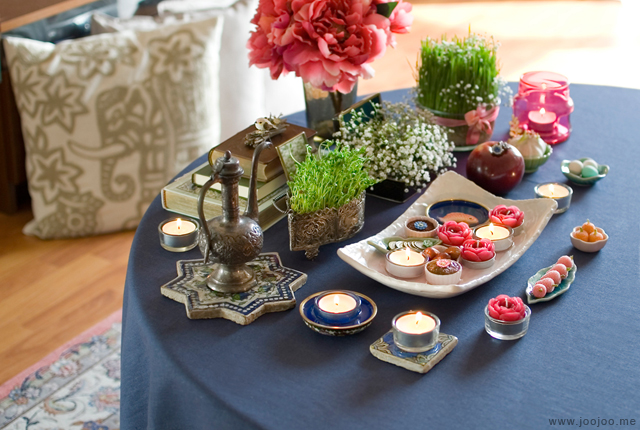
(400, 142)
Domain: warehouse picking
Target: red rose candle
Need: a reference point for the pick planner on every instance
(511, 216)
(506, 318)
(454, 233)
(478, 254)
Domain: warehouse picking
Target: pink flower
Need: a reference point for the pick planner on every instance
(478, 250)
(510, 216)
(454, 233)
(506, 308)
(328, 43)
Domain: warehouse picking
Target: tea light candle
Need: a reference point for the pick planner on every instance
(338, 306)
(561, 193)
(178, 235)
(500, 234)
(416, 331)
(405, 263)
(542, 121)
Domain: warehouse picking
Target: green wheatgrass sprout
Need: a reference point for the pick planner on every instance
(456, 76)
(328, 181)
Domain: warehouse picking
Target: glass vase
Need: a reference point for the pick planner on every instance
(544, 106)
(323, 107)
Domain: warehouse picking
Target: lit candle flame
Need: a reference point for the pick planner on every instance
(542, 111)
(179, 223)
(418, 317)
(406, 252)
(336, 300)
(491, 228)
(551, 189)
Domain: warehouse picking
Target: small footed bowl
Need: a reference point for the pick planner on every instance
(425, 233)
(589, 246)
(603, 170)
(532, 164)
(478, 265)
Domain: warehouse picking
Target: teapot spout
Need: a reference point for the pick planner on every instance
(252, 206)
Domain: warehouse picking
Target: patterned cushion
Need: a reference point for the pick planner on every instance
(246, 93)
(109, 119)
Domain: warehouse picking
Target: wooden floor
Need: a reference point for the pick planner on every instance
(53, 290)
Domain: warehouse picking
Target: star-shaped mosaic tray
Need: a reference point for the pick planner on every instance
(273, 292)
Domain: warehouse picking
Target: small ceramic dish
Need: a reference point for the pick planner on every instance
(532, 164)
(603, 170)
(429, 230)
(588, 246)
(460, 211)
(478, 265)
(318, 324)
(387, 244)
(560, 289)
(435, 279)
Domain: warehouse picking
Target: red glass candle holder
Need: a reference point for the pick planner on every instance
(543, 105)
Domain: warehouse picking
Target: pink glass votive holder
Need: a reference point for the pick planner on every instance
(543, 105)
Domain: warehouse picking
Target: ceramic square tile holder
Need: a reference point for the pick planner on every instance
(385, 349)
(273, 292)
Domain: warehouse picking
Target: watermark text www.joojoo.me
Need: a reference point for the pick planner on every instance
(592, 422)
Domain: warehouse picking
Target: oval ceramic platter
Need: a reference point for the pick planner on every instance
(560, 289)
(449, 186)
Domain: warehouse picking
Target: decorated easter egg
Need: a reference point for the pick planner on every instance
(589, 172)
(575, 167)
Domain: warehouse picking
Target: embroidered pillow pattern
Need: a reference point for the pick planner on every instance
(109, 119)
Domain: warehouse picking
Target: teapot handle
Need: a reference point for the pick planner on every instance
(203, 221)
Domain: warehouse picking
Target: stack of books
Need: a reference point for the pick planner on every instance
(181, 195)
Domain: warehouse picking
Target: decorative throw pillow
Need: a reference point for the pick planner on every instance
(109, 119)
(246, 93)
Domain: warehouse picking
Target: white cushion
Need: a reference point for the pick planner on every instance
(109, 119)
(246, 93)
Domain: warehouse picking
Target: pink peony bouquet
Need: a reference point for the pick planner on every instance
(328, 43)
(454, 233)
(511, 216)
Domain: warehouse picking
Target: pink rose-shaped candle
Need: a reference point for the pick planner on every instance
(511, 216)
(454, 233)
(506, 308)
(478, 250)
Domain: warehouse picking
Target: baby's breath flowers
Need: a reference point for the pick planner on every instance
(459, 75)
(399, 142)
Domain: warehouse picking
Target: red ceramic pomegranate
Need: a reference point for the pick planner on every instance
(495, 166)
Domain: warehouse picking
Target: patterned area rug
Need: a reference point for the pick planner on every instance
(75, 387)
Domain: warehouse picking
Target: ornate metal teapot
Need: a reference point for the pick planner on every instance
(230, 241)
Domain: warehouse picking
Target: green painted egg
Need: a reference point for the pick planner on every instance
(589, 172)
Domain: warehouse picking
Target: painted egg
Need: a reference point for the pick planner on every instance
(575, 167)
(590, 162)
(589, 172)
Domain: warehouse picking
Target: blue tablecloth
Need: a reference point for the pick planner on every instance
(578, 361)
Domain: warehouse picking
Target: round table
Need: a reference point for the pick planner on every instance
(578, 361)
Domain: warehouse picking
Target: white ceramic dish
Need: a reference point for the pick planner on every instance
(588, 246)
(450, 185)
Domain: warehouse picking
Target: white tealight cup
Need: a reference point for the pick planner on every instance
(415, 331)
(561, 193)
(178, 235)
(501, 235)
(405, 263)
